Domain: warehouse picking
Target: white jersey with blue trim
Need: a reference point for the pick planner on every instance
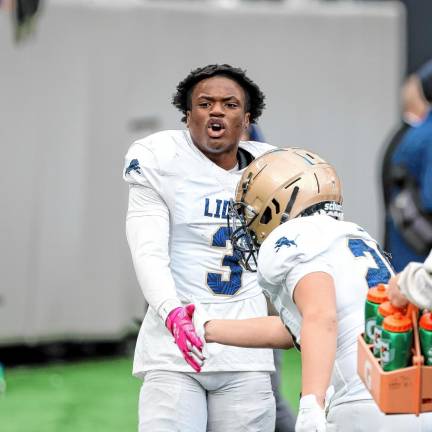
(196, 193)
(351, 256)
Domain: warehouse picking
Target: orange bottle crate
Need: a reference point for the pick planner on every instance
(402, 391)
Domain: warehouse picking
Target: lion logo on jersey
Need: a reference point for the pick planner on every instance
(133, 166)
(283, 241)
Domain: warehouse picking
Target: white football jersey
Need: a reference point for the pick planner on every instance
(196, 192)
(354, 260)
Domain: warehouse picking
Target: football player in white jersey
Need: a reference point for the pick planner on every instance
(180, 184)
(316, 270)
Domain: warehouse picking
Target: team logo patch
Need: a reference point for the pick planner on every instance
(133, 166)
(283, 241)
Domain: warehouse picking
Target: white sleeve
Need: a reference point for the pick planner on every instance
(415, 282)
(301, 269)
(147, 230)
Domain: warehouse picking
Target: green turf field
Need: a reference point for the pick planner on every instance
(94, 396)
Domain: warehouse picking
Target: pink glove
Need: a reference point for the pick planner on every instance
(180, 325)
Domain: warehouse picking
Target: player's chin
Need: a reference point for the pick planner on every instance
(219, 145)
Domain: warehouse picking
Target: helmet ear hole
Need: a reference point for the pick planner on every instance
(276, 205)
(266, 216)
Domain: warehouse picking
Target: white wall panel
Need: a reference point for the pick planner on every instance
(97, 75)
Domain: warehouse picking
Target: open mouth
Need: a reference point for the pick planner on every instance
(215, 128)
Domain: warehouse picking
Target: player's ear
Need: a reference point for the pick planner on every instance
(247, 120)
(187, 118)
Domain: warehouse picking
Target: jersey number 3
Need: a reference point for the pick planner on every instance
(214, 280)
(374, 276)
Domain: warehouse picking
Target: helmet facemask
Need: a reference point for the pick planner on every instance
(242, 239)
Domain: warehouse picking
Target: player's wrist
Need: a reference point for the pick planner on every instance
(167, 307)
(209, 331)
(172, 317)
(311, 400)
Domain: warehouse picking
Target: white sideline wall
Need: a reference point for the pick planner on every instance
(97, 75)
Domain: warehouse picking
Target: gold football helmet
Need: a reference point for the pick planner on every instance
(276, 187)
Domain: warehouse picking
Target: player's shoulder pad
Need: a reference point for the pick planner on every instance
(294, 242)
(154, 152)
(353, 230)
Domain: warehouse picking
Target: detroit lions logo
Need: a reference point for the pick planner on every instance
(283, 241)
(133, 166)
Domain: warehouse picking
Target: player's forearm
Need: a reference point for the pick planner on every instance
(147, 229)
(262, 332)
(318, 350)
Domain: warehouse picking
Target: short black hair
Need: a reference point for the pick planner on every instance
(425, 77)
(254, 96)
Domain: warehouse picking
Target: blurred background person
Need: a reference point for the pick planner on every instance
(414, 110)
(24, 15)
(408, 177)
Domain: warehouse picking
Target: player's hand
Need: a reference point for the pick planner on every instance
(311, 417)
(180, 325)
(200, 318)
(393, 292)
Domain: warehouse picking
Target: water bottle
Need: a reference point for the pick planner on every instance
(2, 381)
(375, 297)
(385, 309)
(396, 341)
(425, 332)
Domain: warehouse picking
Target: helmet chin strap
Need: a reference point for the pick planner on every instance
(286, 214)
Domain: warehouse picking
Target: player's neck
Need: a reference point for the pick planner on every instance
(226, 161)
